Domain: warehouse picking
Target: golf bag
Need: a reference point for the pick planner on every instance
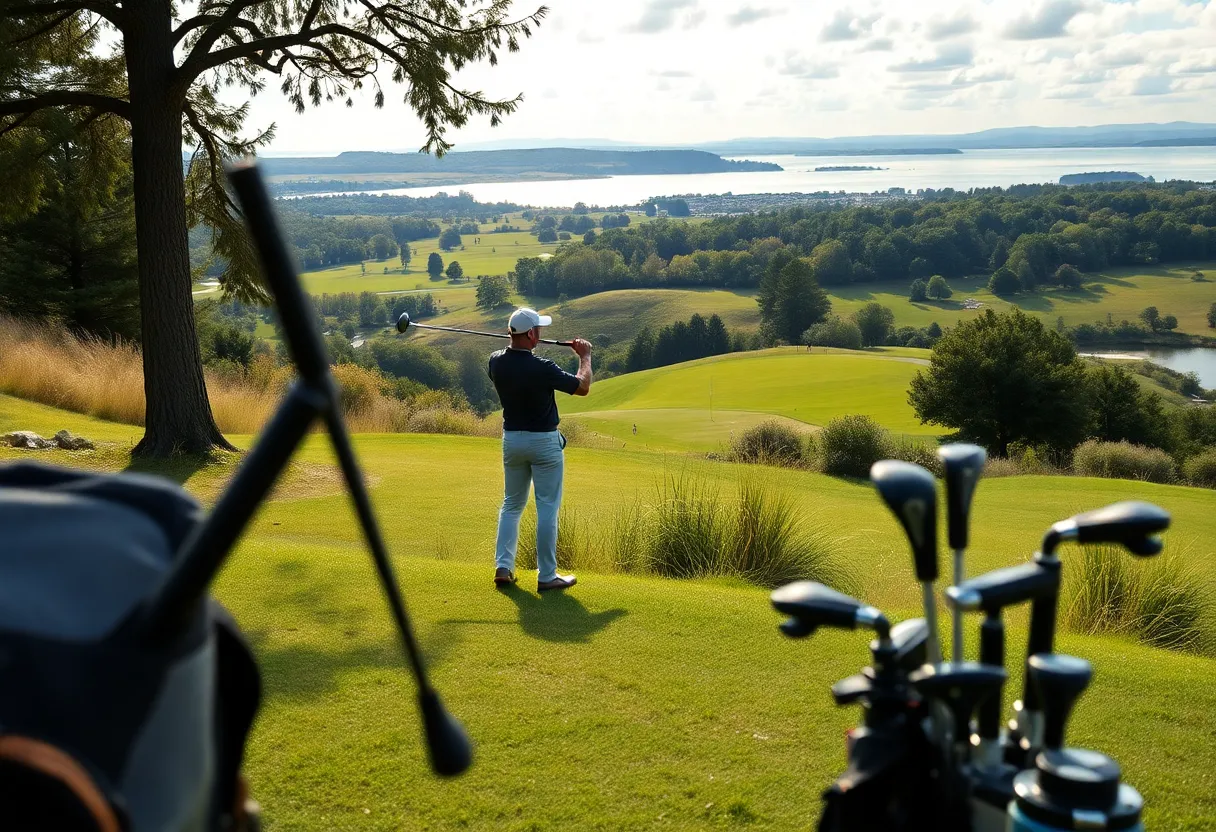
(99, 728)
(896, 780)
(126, 693)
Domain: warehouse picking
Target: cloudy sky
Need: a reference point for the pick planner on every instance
(672, 71)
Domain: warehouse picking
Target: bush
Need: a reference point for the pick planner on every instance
(939, 288)
(849, 445)
(917, 452)
(1068, 276)
(1163, 602)
(919, 290)
(1124, 461)
(1004, 282)
(834, 332)
(1201, 469)
(771, 442)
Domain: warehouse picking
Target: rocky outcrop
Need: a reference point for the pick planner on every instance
(31, 441)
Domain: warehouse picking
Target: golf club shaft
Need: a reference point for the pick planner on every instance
(935, 647)
(486, 334)
(956, 615)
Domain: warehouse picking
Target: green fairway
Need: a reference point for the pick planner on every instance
(675, 429)
(496, 254)
(628, 699)
(809, 387)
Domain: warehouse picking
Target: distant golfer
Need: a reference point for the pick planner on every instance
(531, 443)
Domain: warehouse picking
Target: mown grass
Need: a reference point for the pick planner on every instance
(791, 382)
(631, 702)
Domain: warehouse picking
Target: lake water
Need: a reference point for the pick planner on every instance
(1198, 360)
(971, 169)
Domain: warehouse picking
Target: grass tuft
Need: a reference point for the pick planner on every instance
(1163, 602)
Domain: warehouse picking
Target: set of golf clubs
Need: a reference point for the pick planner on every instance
(931, 752)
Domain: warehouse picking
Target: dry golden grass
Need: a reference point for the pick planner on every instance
(105, 380)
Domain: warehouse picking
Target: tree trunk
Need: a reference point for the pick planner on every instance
(178, 415)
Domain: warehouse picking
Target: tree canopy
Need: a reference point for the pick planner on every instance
(999, 379)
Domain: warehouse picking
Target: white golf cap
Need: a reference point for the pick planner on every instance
(523, 319)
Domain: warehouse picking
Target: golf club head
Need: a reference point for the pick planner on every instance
(962, 686)
(911, 493)
(963, 465)
(910, 643)
(1060, 680)
(811, 605)
(450, 750)
(1001, 587)
(403, 323)
(1131, 524)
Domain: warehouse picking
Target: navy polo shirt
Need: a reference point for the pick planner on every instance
(525, 385)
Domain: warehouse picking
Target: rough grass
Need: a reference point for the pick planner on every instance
(685, 528)
(1163, 602)
(105, 380)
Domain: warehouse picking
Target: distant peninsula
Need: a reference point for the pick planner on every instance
(403, 170)
(1194, 141)
(842, 168)
(882, 151)
(1103, 176)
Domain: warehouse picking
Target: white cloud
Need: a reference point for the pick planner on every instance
(750, 14)
(831, 67)
(797, 66)
(941, 28)
(947, 57)
(1046, 20)
(661, 15)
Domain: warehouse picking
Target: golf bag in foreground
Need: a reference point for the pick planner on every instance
(126, 693)
(931, 753)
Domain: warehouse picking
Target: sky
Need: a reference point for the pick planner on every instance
(685, 71)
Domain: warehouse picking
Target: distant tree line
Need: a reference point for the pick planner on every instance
(677, 342)
(440, 205)
(1030, 231)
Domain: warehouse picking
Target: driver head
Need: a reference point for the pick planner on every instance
(403, 323)
(911, 494)
(962, 466)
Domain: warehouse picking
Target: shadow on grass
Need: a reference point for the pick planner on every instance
(558, 616)
(178, 468)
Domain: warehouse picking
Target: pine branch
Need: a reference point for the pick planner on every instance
(66, 98)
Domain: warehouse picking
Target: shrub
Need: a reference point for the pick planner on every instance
(919, 290)
(834, 332)
(939, 288)
(915, 451)
(1068, 276)
(768, 546)
(1163, 602)
(1004, 282)
(1201, 468)
(772, 442)
(687, 528)
(1124, 461)
(849, 445)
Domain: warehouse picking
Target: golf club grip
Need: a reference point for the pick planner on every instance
(296, 313)
(992, 651)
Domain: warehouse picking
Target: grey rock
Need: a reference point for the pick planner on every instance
(27, 439)
(68, 442)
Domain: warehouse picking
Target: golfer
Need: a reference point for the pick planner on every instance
(531, 443)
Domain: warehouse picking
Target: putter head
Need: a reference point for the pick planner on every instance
(810, 606)
(963, 464)
(1131, 524)
(403, 323)
(911, 493)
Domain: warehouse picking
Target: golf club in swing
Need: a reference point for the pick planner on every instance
(404, 323)
(963, 465)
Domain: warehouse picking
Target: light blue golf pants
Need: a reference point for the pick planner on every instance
(529, 457)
